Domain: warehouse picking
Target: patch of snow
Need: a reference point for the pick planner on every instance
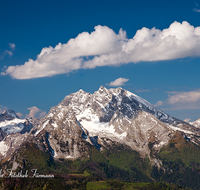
(44, 125)
(154, 120)
(141, 100)
(179, 129)
(50, 115)
(164, 116)
(55, 154)
(91, 123)
(100, 104)
(119, 99)
(60, 114)
(195, 123)
(55, 125)
(12, 126)
(160, 144)
(3, 148)
(69, 156)
(83, 98)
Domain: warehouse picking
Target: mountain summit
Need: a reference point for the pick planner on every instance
(107, 116)
(112, 133)
(8, 115)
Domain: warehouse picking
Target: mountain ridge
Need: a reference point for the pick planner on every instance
(106, 114)
(93, 132)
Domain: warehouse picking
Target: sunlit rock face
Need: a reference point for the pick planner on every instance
(105, 117)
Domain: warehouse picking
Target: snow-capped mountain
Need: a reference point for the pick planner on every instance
(11, 123)
(104, 117)
(13, 131)
(100, 119)
(8, 115)
(196, 123)
(134, 140)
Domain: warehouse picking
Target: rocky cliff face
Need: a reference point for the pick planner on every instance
(105, 117)
(8, 115)
(111, 133)
(101, 119)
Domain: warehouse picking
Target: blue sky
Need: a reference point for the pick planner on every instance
(49, 49)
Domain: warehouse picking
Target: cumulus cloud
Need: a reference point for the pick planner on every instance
(159, 103)
(35, 112)
(187, 120)
(118, 82)
(103, 47)
(2, 108)
(181, 100)
(19, 114)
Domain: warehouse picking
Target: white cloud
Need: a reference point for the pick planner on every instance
(187, 120)
(103, 47)
(196, 10)
(159, 103)
(181, 100)
(19, 114)
(10, 53)
(35, 112)
(184, 97)
(12, 46)
(2, 109)
(118, 82)
(7, 52)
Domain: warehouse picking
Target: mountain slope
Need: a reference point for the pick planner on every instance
(108, 133)
(196, 123)
(8, 115)
(113, 114)
(13, 132)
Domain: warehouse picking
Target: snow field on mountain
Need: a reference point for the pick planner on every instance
(3, 148)
(12, 126)
(43, 126)
(196, 123)
(179, 129)
(91, 123)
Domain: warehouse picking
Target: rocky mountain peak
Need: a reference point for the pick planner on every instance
(102, 89)
(11, 113)
(196, 123)
(115, 114)
(8, 115)
(112, 120)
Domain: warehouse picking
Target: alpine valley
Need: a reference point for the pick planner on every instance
(111, 134)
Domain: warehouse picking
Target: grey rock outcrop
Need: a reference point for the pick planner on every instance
(106, 118)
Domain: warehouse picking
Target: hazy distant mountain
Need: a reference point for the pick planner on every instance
(196, 123)
(13, 132)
